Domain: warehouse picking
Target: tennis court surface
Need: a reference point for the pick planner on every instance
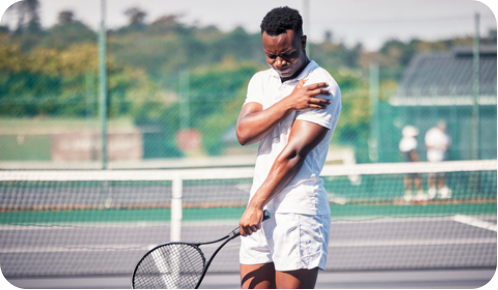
(83, 224)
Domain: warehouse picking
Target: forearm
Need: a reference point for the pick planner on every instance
(255, 126)
(283, 170)
(304, 136)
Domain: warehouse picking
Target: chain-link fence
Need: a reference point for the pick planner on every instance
(175, 91)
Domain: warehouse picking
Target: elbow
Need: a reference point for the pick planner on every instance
(292, 158)
(242, 138)
(242, 141)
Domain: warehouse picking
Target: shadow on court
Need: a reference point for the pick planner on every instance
(443, 279)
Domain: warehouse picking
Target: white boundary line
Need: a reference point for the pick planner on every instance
(332, 244)
(472, 221)
(226, 222)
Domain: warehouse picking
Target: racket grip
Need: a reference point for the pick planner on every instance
(266, 215)
(236, 232)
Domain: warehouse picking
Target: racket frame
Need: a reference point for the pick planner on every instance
(232, 235)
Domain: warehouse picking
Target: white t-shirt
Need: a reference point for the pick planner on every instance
(304, 194)
(439, 141)
(406, 146)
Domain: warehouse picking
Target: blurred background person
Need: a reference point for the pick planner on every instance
(408, 149)
(437, 142)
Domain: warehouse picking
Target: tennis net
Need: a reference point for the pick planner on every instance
(77, 223)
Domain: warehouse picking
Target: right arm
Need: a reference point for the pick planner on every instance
(254, 123)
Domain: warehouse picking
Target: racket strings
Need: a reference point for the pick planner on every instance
(172, 266)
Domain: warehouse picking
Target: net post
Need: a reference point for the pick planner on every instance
(176, 209)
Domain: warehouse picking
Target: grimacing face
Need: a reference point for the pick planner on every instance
(285, 53)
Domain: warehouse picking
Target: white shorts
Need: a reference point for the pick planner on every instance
(290, 241)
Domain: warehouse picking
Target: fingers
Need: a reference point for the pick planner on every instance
(318, 85)
(316, 92)
(249, 230)
(301, 83)
(318, 89)
(316, 103)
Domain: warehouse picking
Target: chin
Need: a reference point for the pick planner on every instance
(285, 74)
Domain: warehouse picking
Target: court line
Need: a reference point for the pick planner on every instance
(332, 244)
(228, 222)
(383, 243)
(474, 222)
(388, 243)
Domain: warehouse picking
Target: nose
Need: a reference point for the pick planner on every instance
(279, 62)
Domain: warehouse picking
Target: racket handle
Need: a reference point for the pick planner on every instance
(266, 215)
(236, 232)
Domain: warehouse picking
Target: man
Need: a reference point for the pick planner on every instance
(437, 142)
(292, 110)
(408, 149)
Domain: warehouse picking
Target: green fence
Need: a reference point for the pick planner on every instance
(175, 91)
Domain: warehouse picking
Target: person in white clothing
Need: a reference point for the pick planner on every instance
(437, 142)
(408, 149)
(292, 110)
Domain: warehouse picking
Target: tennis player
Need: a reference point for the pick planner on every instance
(438, 143)
(408, 150)
(292, 110)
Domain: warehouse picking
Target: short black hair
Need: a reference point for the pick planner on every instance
(281, 19)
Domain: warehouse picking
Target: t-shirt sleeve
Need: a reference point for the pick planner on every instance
(255, 90)
(408, 145)
(324, 117)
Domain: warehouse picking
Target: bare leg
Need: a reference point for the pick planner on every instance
(441, 181)
(408, 183)
(260, 276)
(418, 183)
(431, 180)
(298, 279)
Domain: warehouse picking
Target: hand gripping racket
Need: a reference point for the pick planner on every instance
(177, 265)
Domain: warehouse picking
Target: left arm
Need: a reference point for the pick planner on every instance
(304, 136)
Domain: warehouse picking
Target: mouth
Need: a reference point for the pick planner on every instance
(284, 71)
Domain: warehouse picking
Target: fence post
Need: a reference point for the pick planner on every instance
(176, 209)
(103, 83)
(475, 93)
(373, 142)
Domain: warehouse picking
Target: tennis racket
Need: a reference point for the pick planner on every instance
(177, 265)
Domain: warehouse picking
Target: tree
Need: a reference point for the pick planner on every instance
(65, 17)
(136, 19)
(136, 15)
(67, 32)
(28, 16)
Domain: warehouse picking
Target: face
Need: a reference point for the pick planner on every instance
(285, 53)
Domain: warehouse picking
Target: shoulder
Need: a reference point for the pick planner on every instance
(319, 74)
(431, 132)
(261, 77)
(408, 144)
(264, 74)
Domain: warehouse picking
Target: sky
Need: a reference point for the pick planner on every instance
(370, 22)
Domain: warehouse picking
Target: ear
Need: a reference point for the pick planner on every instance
(304, 38)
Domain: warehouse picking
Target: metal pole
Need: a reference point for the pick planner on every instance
(184, 99)
(103, 84)
(374, 105)
(306, 23)
(475, 93)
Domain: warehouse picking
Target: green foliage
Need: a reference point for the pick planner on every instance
(54, 82)
(62, 36)
(53, 72)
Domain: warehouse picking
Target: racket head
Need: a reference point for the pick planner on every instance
(170, 266)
